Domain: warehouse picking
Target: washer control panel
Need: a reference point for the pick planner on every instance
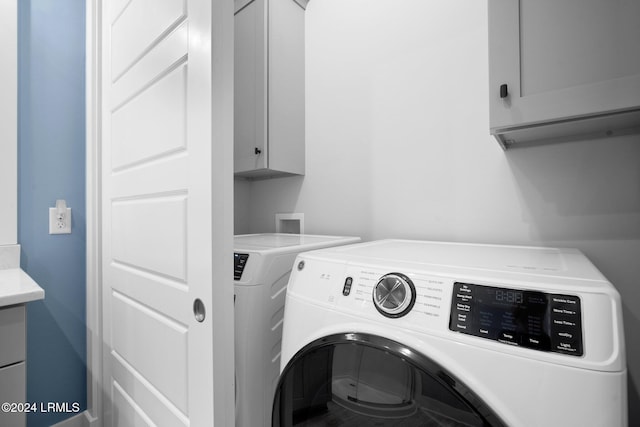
(532, 319)
(394, 295)
(239, 261)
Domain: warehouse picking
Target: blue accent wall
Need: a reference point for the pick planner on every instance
(51, 165)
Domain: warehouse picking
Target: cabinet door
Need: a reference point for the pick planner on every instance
(12, 335)
(250, 88)
(286, 87)
(562, 59)
(13, 389)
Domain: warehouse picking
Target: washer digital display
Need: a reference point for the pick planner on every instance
(532, 319)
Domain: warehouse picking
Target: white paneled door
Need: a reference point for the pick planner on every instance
(166, 227)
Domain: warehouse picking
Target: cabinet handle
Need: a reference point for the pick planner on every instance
(257, 151)
(503, 91)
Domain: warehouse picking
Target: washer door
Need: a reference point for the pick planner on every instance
(366, 380)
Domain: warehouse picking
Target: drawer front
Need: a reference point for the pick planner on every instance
(12, 335)
(13, 389)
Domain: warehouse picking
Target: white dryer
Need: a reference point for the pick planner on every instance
(262, 264)
(414, 333)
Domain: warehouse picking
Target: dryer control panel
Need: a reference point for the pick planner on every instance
(532, 319)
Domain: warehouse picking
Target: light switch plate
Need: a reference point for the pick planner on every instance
(57, 226)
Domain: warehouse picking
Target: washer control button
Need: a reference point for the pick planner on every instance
(346, 290)
(394, 295)
(509, 337)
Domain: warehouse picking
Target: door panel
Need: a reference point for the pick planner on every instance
(138, 29)
(154, 332)
(591, 42)
(166, 55)
(140, 394)
(153, 222)
(128, 412)
(148, 126)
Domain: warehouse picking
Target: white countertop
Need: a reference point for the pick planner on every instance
(16, 287)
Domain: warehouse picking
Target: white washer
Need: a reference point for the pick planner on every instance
(262, 264)
(428, 333)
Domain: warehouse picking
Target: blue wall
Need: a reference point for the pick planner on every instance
(51, 165)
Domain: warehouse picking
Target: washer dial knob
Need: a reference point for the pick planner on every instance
(394, 295)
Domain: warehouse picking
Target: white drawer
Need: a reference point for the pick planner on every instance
(12, 335)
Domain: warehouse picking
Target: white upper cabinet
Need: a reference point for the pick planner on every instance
(563, 70)
(269, 88)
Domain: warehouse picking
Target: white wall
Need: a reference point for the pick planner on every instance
(8, 122)
(398, 146)
(241, 205)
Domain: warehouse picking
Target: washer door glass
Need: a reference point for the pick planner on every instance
(365, 380)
